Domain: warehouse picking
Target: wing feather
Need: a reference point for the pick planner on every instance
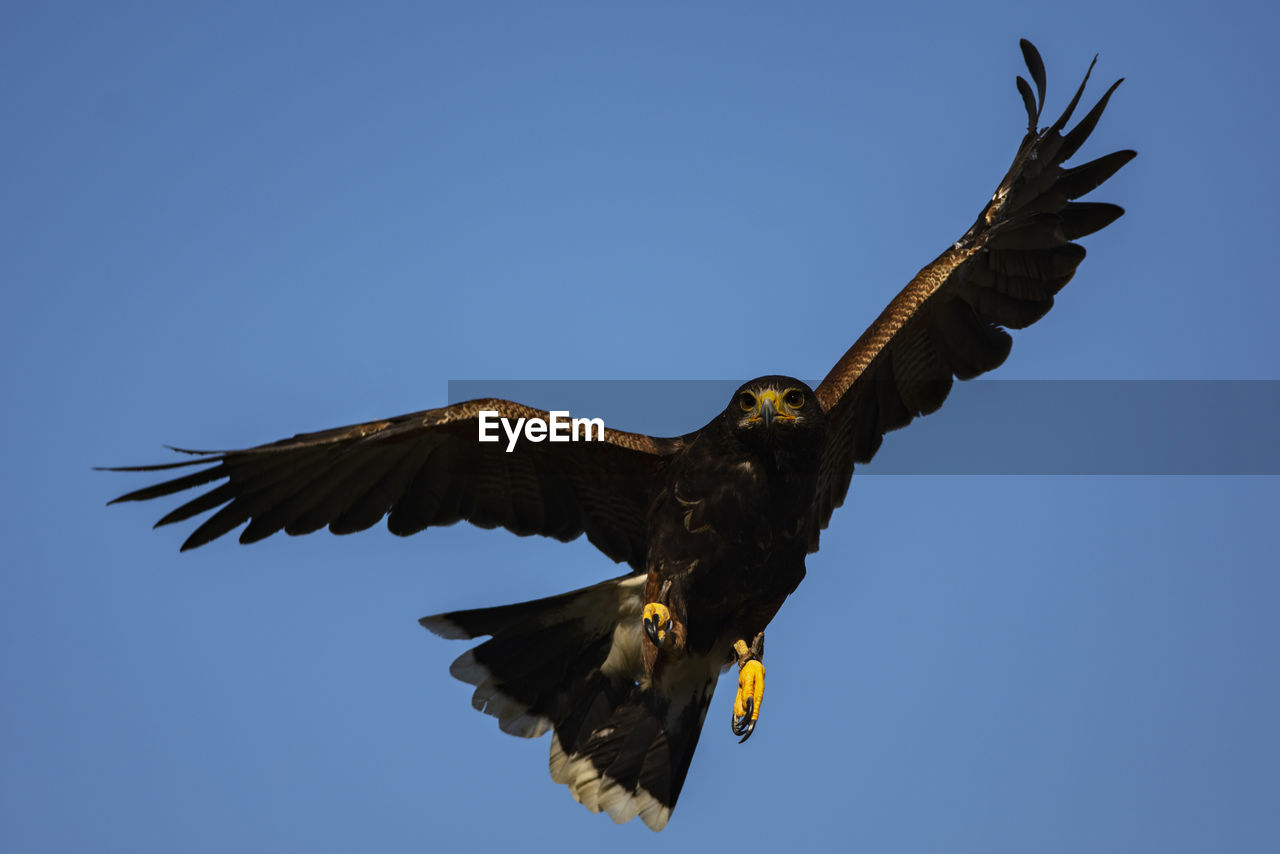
(1035, 65)
(949, 322)
(420, 470)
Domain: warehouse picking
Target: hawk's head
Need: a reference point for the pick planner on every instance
(775, 411)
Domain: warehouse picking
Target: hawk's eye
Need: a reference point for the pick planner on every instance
(747, 401)
(794, 398)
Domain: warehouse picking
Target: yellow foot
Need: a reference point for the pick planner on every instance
(657, 623)
(746, 705)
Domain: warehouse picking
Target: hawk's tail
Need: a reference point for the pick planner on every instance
(572, 664)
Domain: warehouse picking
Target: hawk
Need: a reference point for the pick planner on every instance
(714, 526)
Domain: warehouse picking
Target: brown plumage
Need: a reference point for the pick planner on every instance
(715, 524)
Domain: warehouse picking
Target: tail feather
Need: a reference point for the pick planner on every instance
(572, 664)
(636, 761)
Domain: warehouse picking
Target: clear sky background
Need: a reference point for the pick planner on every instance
(225, 223)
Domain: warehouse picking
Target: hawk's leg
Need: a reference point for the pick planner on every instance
(657, 617)
(746, 705)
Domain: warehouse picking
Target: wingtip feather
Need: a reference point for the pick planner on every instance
(1075, 99)
(1035, 66)
(1029, 102)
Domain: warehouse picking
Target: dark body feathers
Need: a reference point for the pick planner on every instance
(715, 524)
(730, 527)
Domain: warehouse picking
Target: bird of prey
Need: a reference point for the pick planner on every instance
(714, 526)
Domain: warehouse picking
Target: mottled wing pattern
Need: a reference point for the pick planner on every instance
(947, 322)
(420, 470)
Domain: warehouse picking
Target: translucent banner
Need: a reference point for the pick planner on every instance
(1011, 427)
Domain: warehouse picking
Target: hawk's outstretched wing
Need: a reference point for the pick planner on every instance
(424, 469)
(1003, 272)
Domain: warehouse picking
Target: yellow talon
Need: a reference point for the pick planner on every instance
(746, 705)
(657, 623)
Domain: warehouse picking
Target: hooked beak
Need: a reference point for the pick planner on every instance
(768, 412)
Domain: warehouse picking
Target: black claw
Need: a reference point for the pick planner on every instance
(651, 629)
(744, 725)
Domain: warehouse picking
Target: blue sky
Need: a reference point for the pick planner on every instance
(223, 224)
